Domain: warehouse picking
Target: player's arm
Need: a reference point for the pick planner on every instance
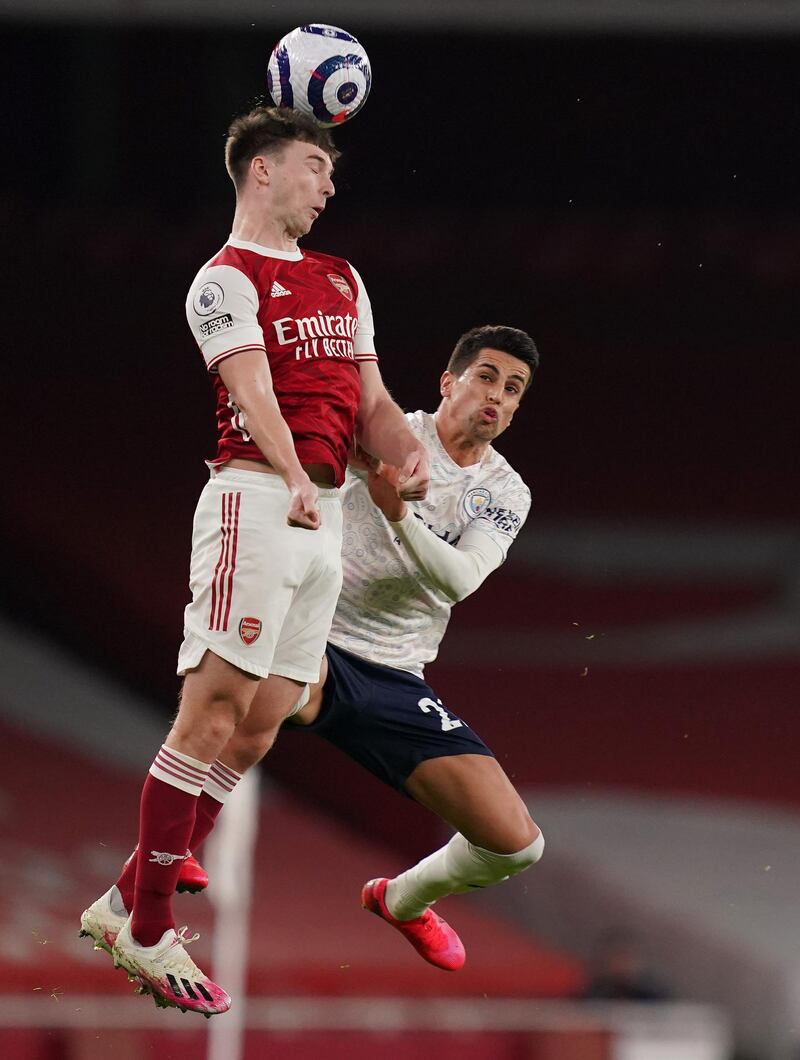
(482, 548)
(222, 312)
(382, 429)
(458, 571)
(248, 380)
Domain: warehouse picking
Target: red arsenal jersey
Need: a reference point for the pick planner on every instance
(310, 314)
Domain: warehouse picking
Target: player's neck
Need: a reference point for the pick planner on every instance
(462, 449)
(253, 227)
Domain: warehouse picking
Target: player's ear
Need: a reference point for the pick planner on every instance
(445, 383)
(260, 167)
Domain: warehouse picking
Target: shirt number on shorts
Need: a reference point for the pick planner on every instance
(448, 723)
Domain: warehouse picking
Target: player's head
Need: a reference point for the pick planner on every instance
(268, 131)
(489, 370)
(285, 158)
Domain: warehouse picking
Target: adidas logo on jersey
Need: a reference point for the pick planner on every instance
(277, 291)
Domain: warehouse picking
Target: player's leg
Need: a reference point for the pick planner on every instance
(155, 966)
(255, 735)
(201, 707)
(434, 757)
(274, 699)
(473, 793)
(216, 696)
(240, 528)
(217, 788)
(223, 777)
(298, 672)
(495, 835)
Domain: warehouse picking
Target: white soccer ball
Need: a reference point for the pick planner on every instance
(321, 71)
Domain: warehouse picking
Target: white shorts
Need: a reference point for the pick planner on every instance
(263, 592)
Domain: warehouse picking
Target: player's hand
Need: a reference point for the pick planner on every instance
(303, 510)
(414, 476)
(382, 485)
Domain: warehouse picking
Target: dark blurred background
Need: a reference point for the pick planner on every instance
(626, 192)
(629, 200)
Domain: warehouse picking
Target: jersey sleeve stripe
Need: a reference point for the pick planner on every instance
(366, 356)
(236, 349)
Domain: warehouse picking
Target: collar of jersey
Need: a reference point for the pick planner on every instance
(267, 252)
(471, 469)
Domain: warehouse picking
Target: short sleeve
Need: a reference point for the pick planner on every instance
(505, 513)
(364, 346)
(221, 308)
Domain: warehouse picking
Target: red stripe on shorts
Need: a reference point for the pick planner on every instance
(221, 586)
(232, 569)
(219, 564)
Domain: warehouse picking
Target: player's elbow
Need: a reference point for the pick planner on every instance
(458, 589)
(469, 578)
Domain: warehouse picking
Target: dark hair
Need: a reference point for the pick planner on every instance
(269, 129)
(496, 337)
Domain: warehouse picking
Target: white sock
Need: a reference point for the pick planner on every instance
(454, 869)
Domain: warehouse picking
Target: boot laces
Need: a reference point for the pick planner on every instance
(181, 937)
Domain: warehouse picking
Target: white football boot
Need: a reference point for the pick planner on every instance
(166, 971)
(103, 920)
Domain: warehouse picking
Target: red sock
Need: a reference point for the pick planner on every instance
(127, 879)
(167, 813)
(207, 811)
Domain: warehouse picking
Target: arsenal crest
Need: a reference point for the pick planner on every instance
(341, 285)
(250, 630)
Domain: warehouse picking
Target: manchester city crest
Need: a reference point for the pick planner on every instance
(477, 500)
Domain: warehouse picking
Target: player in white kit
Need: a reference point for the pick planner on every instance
(405, 565)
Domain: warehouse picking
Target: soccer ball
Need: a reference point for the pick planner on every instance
(321, 71)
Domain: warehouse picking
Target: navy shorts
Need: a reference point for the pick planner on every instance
(387, 719)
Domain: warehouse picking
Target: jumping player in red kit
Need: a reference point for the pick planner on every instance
(287, 336)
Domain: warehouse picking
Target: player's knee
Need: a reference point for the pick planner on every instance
(528, 855)
(512, 833)
(501, 866)
(212, 719)
(227, 707)
(246, 750)
(522, 832)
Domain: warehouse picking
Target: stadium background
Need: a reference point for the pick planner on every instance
(628, 197)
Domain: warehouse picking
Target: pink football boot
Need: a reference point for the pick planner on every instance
(432, 938)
